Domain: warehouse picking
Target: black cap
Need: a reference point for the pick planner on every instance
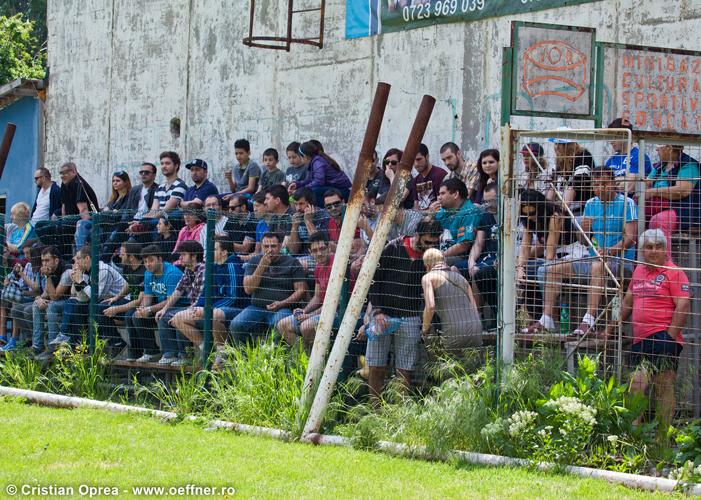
(196, 163)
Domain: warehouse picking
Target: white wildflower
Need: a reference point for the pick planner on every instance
(574, 408)
(521, 421)
(613, 439)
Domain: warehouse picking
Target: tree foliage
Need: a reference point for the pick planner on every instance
(17, 56)
(33, 10)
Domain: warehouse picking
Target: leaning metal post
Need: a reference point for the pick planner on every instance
(367, 271)
(208, 281)
(345, 242)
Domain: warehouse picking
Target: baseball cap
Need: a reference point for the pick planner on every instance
(558, 140)
(535, 148)
(196, 163)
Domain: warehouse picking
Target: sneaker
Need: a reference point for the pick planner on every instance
(148, 358)
(10, 346)
(180, 362)
(167, 360)
(60, 339)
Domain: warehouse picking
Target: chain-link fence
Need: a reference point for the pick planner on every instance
(602, 236)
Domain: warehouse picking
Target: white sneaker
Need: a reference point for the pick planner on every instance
(167, 360)
(60, 339)
(148, 358)
(180, 362)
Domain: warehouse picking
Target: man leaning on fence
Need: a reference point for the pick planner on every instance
(396, 297)
(610, 221)
(658, 299)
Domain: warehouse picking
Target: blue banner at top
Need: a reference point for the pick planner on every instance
(362, 18)
(372, 17)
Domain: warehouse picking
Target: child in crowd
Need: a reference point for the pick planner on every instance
(271, 175)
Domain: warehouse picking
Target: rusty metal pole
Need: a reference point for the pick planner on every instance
(6, 144)
(362, 285)
(345, 241)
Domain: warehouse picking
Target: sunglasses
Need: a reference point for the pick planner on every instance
(234, 207)
(391, 162)
(334, 204)
(40, 177)
(146, 172)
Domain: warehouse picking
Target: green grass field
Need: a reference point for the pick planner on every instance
(72, 447)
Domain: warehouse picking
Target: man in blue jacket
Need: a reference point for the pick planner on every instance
(228, 299)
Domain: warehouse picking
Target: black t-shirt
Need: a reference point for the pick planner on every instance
(74, 192)
(239, 229)
(396, 286)
(55, 277)
(135, 280)
(488, 224)
(278, 279)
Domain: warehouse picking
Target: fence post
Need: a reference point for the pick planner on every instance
(367, 271)
(507, 326)
(94, 279)
(208, 281)
(340, 263)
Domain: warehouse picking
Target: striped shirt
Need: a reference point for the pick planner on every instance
(164, 192)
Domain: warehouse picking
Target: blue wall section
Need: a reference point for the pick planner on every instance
(18, 179)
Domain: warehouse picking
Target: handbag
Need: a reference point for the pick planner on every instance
(12, 292)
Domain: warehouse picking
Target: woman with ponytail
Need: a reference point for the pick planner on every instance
(324, 173)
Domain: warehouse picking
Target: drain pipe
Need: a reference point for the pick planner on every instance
(401, 450)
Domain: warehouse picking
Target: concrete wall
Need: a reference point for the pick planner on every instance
(122, 69)
(25, 155)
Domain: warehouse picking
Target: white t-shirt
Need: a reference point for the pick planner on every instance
(43, 205)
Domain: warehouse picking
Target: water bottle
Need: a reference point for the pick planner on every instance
(565, 319)
(372, 331)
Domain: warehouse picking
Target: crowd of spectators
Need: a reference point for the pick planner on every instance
(275, 236)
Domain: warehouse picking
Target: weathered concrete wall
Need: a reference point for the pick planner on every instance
(122, 69)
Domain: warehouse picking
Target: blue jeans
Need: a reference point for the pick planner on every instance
(254, 321)
(75, 318)
(82, 233)
(173, 343)
(52, 315)
(142, 339)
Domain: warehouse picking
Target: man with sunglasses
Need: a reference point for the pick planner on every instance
(47, 204)
(396, 293)
(241, 225)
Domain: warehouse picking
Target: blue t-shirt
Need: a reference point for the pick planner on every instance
(163, 286)
(261, 228)
(607, 221)
(201, 193)
(618, 163)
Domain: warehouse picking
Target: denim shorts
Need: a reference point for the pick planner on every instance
(659, 350)
(582, 267)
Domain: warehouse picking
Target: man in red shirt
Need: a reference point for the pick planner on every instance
(659, 299)
(303, 321)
